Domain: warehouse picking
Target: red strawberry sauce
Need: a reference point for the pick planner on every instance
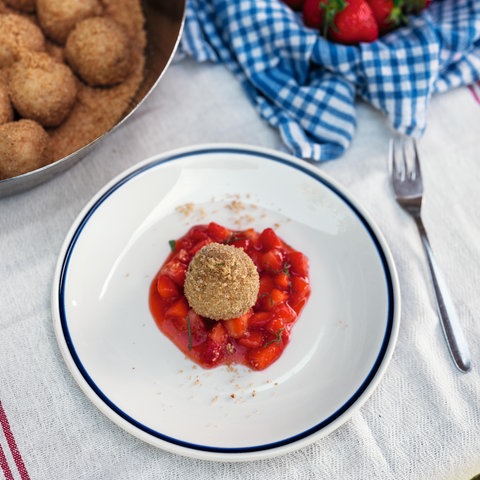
(255, 339)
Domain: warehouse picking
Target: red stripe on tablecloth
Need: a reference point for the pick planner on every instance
(4, 465)
(12, 445)
(475, 89)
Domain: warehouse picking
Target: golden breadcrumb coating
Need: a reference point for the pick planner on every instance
(6, 110)
(222, 282)
(23, 147)
(58, 17)
(98, 51)
(42, 89)
(18, 34)
(27, 6)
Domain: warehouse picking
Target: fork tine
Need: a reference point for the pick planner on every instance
(398, 159)
(405, 157)
(418, 171)
(393, 161)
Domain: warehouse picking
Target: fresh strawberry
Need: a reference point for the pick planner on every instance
(294, 4)
(312, 13)
(343, 21)
(354, 24)
(388, 14)
(415, 6)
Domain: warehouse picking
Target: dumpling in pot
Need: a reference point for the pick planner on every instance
(23, 147)
(98, 51)
(18, 34)
(42, 89)
(59, 17)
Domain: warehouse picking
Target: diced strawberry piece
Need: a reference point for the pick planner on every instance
(167, 288)
(297, 303)
(212, 353)
(251, 234)
(255, 255)
(197, 233)
(275, 326)
(272, 298)
(298, 263)
(259, 319)
(278, 296)
(182, 255)
(285, 312)
(218, 334)
(218, 233)
(179, 309)
(272, 260)
(282, 280)
(214, 349)
(244, 243)
(176, 270)
(182, 243)
(269, 240)
(236, 327)
(300, 285)
(279, 331)
(197, 327)
(260, 358)
(266, 285)
(199, 245)
(252, 339)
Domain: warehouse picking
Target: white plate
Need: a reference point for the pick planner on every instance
(339, 348)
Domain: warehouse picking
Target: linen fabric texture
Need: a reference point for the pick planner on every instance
(307, 87)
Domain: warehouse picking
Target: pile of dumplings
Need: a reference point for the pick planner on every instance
(39, 85)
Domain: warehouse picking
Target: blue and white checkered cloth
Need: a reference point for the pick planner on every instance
(306, 86)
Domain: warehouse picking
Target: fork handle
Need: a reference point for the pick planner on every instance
(452, 329)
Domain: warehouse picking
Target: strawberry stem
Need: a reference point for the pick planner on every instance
(330, 9)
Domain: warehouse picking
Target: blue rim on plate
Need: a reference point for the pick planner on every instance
(391, 322)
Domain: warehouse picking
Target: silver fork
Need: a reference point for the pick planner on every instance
(408, 187)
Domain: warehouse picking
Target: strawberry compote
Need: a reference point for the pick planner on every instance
(255, 339)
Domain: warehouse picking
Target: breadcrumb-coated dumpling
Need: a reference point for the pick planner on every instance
(98, 51)
(6, 110)
(18, 34)
(23, 147)
(222, 282)
(42, 89)
(27, 6)
(59, 17)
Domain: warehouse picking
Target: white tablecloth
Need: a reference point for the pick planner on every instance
(422, 422)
